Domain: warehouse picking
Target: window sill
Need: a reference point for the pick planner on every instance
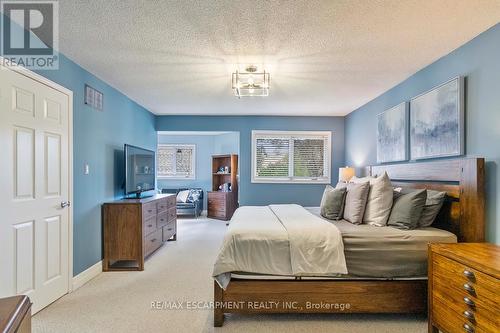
(175, 178)
(288, 181)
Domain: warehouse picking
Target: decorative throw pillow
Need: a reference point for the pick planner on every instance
(380, 199)
(194, 195)
(182, 196)
(332, 203)
(355, 201)
(432, 207)
(407, 210)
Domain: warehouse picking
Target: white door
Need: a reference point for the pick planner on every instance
(34, 181)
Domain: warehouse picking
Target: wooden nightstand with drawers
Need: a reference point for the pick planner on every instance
(464, 288)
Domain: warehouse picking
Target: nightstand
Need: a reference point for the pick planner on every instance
(464, 288)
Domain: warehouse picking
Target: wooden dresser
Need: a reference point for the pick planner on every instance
(135, 228)
(464, 288)
(15, 314)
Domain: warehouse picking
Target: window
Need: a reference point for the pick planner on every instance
(291, 157)
(176, 161)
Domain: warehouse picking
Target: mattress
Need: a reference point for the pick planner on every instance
(380, 253)
(387, 252)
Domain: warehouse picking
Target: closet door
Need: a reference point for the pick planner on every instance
(34, 189)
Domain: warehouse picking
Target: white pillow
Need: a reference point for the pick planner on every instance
(380, 199)
(182, 196)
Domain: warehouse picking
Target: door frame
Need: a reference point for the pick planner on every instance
(43, 80)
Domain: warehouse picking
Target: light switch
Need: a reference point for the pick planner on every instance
(86, 169)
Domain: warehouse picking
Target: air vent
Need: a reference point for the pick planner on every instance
(94, 98)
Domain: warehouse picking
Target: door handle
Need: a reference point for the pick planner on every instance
(65, 204)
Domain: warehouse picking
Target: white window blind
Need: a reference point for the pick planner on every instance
(176, 161)
(291, 157)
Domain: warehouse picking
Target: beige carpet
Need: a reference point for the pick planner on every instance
(180, 271)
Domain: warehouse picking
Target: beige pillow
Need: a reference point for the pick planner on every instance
(380, 199)
(355, 201)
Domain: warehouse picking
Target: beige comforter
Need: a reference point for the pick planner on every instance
(279, 240)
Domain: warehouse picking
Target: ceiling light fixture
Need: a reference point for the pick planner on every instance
(250, 83)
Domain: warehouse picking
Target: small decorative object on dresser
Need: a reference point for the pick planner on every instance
(223, 199)
(15, 314)
(135, 228)
(464, 288)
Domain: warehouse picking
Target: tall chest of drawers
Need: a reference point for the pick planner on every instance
(135, 228)
(464, 288)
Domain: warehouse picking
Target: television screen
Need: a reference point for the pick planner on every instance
(139, 170)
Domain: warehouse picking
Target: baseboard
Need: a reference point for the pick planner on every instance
(87, 275)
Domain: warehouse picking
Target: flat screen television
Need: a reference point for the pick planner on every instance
(139, 170)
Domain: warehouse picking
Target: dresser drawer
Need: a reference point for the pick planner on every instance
(467, 280)
(169, 230)
(217, 201)
(149, 226)
(171, 201)
(450, 321)
(467, 293)
(162, 220)
(172, 213)
(152, 242)
(148, 210)
(162, 205)
(215, 212)
(477, 315)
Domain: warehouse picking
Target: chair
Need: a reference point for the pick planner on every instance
(193, 204)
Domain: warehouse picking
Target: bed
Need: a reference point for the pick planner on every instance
(379, 280)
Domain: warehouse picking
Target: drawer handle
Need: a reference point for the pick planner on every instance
(169, 229)
(150, 211)
(469, 302)
(469, 288)
(468, 328)
(469, 315)
(469, 274)
(153, 240)
(150, 225)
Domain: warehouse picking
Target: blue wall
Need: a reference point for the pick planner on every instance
(479, 62)
(98, 139)
(228, 143)
(261, 194)
(206, 146)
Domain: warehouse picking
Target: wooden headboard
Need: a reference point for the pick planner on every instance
(462, 178)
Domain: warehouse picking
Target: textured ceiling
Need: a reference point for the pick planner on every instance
(325, 57)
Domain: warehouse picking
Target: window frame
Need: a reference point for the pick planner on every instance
(177, 146)
(290, 179)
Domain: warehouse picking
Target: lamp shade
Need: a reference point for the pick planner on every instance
(345, 174)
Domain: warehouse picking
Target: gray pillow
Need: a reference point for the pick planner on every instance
(332, 203)
(432, 207)
(407, 210)
(355, 201)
